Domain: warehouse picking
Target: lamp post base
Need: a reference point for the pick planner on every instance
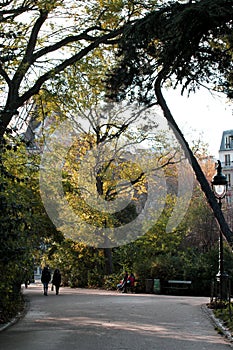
(222, 290)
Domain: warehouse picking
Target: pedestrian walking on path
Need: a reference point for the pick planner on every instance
(45, 279)
(56, 281)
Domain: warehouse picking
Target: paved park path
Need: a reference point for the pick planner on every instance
(82, 319)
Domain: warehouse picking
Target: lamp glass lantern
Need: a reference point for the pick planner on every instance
(219, 183)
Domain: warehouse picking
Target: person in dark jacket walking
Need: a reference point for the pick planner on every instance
(56, 280)
(45, 279)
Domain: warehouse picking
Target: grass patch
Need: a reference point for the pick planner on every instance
(224, 313)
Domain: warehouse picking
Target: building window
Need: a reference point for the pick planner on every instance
(227, 159)
(228, 179)
(228, 141)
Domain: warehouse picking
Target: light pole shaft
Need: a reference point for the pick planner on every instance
(220, 266)
(219, 186)
(221, 276)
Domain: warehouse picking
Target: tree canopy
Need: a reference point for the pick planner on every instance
(55, 54)
(188, 44)
(40, 39)
(185, 43)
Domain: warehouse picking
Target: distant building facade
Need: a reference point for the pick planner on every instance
(226, 158)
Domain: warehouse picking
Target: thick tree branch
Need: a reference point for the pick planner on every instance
(34, 35)
(68, 62)
(193, 161)
(15, 101)
(75, 38)
(7, 14)
(28, 56)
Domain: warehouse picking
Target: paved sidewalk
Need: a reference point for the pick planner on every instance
(85, 319)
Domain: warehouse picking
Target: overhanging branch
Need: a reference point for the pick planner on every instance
(192, 160)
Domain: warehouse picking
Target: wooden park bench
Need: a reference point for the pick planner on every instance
(178, 285)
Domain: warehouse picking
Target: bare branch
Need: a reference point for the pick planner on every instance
(61, 67)
(28, 56)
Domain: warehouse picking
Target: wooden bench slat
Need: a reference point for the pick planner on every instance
(179, 282)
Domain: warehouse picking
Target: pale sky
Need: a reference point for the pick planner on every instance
(202, 115)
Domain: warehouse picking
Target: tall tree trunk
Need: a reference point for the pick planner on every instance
(108, 261)
(205, 186)
(107, 251)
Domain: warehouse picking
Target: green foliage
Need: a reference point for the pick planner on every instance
(23, 224)
(187, 253)
(111, 281)
(80, 265)
(72, 37)
(191, 43)
(199, 220)
(224, 313)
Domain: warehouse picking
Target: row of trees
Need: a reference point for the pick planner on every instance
(54, 66)
(29, 238)
(165, 51)
(190, 252)
(47, 50)
(24, 224)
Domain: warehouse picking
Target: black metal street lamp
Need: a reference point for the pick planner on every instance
(219, 187)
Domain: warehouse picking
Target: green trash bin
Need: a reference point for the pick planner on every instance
(157, 286)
